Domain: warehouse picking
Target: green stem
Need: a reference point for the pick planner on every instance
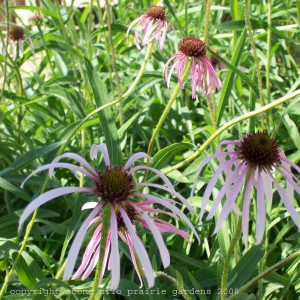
(113, 56)
(9, 274)
(61, 21)
(45, 48)
(6, 47)
(175, 283)
(206, 21)
(104, 233)
(226, 266)
(209, 99)
(268, 63)
(229, 124)
(259, 78)
(169, 105)
(265, 273)
(140, 73)
(268, 50)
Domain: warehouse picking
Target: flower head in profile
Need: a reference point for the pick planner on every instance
(115, 186)
(153, 25)
(17, 36)
(251, 162)
(204, 77)
(36, 19)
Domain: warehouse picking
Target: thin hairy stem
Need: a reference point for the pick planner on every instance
(206, 21)
(265, 273)
(175, 283)
(141, 71)
(259, 78)
(229, 124)
(25, 239)
(169, 106)
(230, 251)
(114, 63)
(104, 234)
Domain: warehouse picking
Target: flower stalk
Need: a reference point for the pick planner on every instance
(244, 288)
(226, 266)
(169, 105)
(105, 229)
(259, 78)
(227, 125)
(141, 71)
(175, 283)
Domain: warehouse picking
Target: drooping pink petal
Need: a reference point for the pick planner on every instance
(261, 210)
(180, 69)
(172, 192)
(163, 36)
(78, 158)
(103, 149)
(230, 200)
(267, 182)
(168, 77)
(157, 172)
(158, 211)
(31, 46)
(165, 226)
(211, 185)
(44, 198)
(58, 165)
(136, 157)
(21, 47)
(88, 253)
(288, 162)
(139, 247)
(115, 269)
(287, 202)
(132, 24)
(94, 260)
(74, 250)
(164, 253)
(226, 187)
(289, 179)
(203, 164)
(132, 253)
(89, 205)
(172, 208)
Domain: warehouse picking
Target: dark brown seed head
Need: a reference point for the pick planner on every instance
(16, 33)
(193, 47)
(114, 185)
(156, 12)
(259, 149)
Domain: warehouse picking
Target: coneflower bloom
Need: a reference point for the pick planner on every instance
(17, 36)
(153, 25)
(204, 77)
(115, 186)
(250, 162)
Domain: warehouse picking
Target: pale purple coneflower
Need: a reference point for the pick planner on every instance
(204, 77)
(17, 36)
(115, 186)
(251, 163)
(153, 25)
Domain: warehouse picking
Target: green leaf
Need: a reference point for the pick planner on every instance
(164, 156)
(23, 271)
(6, 185)
(292, 130)
(246, 266)
(105, 116)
